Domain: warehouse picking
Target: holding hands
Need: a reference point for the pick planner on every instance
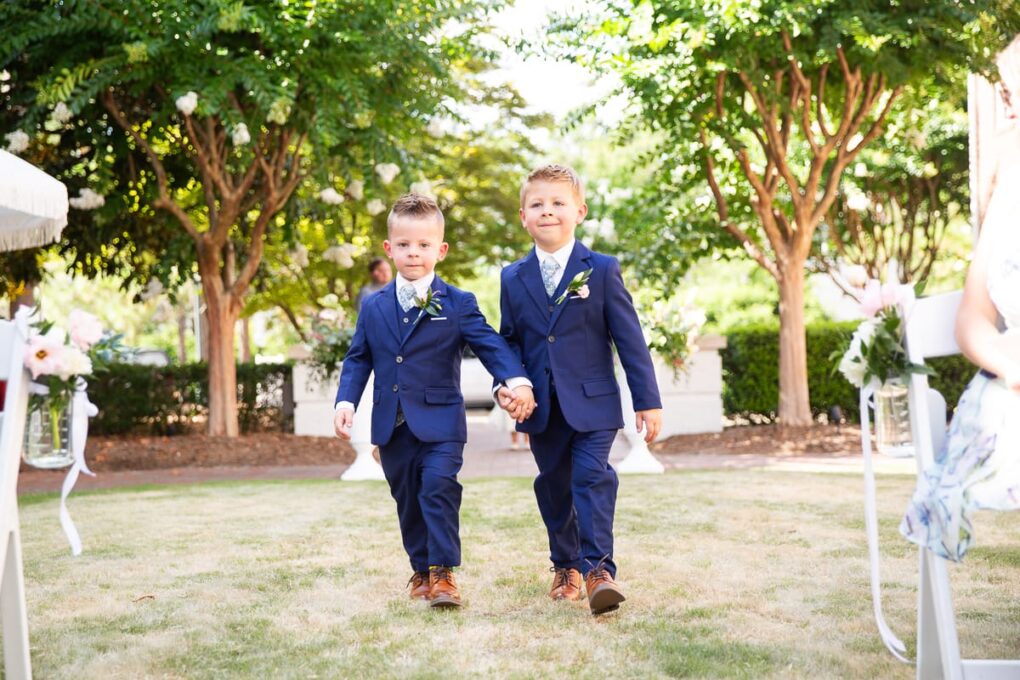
(519, 402)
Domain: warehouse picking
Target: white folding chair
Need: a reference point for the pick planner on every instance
(13, 612)
(930, 332)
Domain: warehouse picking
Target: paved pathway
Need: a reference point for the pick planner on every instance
(488, 454)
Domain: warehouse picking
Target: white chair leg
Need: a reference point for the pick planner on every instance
(938, 649)
(17, 662)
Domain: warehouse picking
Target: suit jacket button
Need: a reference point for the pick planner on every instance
(396, 388)
(552, 338)
(405, 319)
(551, 308)
(400, 359)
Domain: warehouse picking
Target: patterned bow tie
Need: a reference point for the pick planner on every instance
(405, 296)
(549, 268)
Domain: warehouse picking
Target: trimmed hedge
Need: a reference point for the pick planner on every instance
(751, 372)
(169, 400)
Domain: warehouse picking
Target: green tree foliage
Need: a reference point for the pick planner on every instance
(761, 107)
(197, 121)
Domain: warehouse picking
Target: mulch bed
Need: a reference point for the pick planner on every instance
(105, 454)
(276, 448)
(777, 440)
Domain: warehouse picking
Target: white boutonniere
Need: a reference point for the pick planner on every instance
(578, 285)
(429, 304)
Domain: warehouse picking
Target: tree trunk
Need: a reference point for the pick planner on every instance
(794, 404)
(246, 356)
(221, 317)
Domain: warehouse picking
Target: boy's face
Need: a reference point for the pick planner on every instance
(551, 213)
(415, 245)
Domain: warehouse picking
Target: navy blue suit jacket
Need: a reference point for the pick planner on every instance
(421, 368)
(571, 343)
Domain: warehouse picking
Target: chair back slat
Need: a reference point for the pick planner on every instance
(931, 326)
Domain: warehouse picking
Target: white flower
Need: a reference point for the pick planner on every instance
(340, 255)
(583, 292)
(387, 171)
(331, 196)
(279, 111)
(856, 275)
(87, 200)
(356, 190)
(17, 141)
(240, 135)
(86, 330)
(375, 206)
(329, 300)
(434, 128)
(852, 365)
(857, 202)
(860, 170)
(300, 255)
(329, 315)
(187, 103)
(53, 139)
(74, 362)
(424, 187)
(61, 113)
(4, 76)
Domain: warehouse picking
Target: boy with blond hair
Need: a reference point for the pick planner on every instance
(563, 307)
(412, 334)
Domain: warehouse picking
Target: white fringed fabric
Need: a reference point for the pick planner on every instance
(33, 205)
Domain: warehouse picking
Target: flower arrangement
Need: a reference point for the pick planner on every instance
(672, 327)
(332, 336)
(58, 358)
(875, 352)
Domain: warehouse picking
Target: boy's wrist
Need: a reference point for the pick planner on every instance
(343, 405)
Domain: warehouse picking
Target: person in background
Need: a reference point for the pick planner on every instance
(381, 273)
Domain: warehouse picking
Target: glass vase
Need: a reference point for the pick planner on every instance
(48, 438)
(893, 436)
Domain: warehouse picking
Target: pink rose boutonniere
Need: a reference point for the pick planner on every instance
(578, 285)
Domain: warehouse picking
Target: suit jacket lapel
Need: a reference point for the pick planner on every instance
(579, 260)
(531, 276)
(388, 303)
(438, 287)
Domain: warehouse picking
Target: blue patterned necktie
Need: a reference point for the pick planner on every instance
(549, 268)
(405, 296)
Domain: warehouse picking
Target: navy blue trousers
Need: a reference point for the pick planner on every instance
(576, 491)
(423, 481)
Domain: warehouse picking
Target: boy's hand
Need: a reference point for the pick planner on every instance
(524, 403)
(505, 398)
(342, 422)
(651, 421)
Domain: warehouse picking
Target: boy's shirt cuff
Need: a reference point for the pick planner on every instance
(343, 404)
(512, 384)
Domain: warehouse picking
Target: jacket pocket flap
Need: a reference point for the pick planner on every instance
(442, 395)
(376, 395)
(599, 388)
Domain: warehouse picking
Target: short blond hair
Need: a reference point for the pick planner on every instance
(554, 172)
(414, 205)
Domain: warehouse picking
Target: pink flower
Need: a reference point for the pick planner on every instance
(890, 295)
(44, 355)
(85, 329)
(583, 292)
(871, 300)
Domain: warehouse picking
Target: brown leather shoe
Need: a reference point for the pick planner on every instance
(603, 593)
(566, 584)
(444, 591)
(420, 585)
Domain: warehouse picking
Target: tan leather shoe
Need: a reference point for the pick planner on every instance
(444, 591)
(566, 584)
(420, 585)
(603, 593)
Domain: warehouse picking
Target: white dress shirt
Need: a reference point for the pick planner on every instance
(561, 256)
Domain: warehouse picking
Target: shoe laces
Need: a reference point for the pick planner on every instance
(562, 577)
(417, 577)
(599, 571)
(443, 574)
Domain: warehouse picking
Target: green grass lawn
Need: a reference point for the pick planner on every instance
(728, 574)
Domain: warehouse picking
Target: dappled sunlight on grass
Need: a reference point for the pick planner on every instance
(741, 574)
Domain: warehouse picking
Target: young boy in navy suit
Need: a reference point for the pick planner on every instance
(412, 333)
(563, 307)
